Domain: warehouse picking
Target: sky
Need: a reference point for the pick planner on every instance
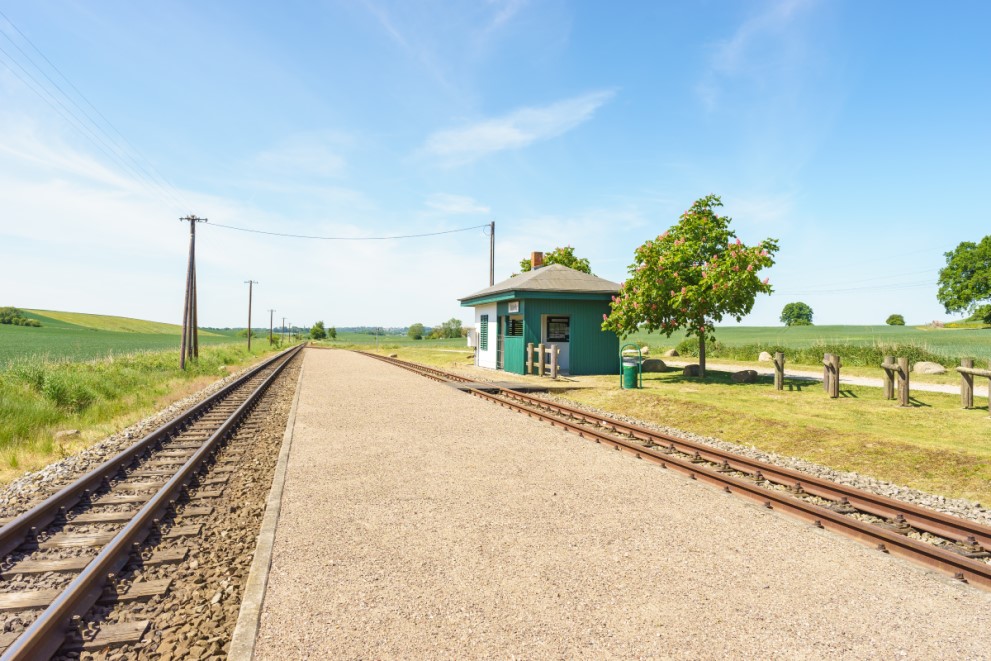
(856, 133)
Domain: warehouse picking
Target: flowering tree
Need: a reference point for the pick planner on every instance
(690, 276)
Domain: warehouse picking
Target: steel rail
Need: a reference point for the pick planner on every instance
(47, 633)
(955, 564)
(17, 530)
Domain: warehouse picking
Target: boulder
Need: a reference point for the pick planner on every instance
(692, 370)
(744, 376)
(765, 357)
(924, 367)
(670, 353)
(654, 365)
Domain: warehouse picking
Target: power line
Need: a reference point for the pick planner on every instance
(348, 238)
(154, 172)
(91, 130)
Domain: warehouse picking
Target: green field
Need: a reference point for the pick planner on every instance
(952, 343)
(76, 336)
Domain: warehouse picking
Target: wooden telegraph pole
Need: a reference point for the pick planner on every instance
(190, 344)
(492, 253)
(270, 327)
(251, 284)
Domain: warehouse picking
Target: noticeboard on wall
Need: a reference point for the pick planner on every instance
(514, 307)
(558, 329)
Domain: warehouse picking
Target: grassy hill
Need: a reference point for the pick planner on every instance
(79, 336)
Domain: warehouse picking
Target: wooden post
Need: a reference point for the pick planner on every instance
(540, 359)
(834, 376)
(529, 357)
(903, 381)
(554, 352)
(889, 367)
(826, 361)
(779, 370)
(967, 384)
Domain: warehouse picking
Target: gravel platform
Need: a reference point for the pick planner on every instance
(419, 522)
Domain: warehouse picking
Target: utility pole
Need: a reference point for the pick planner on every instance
(270, 327)
(492, 253)
(283, 330)
(251, 284)
(190, 343)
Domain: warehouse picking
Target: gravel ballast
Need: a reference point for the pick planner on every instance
(418, 522)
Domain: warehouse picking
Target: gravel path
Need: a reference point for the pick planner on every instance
(421, 522)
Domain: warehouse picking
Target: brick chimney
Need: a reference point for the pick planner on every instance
(536, 260)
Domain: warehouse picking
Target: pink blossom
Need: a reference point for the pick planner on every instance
(672, 292)
(763, 253)
(750, 267)
(676, 274)
(683, 290)
(738, 242)
(605, 316)
(766, 280)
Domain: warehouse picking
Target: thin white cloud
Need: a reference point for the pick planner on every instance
(312, 156)
(771, 31)
(505, 11)
(455, 204)
(514, 131)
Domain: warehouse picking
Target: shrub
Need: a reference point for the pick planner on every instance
(895, 320)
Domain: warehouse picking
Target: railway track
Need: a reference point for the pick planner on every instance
(949, 544)
(62, 556)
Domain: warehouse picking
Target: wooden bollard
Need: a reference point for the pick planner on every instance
(540, 359)
(903, 381)
(889, 367)
(826, 361)
(834, 377)
(554, 354)
(967, 385)
(529, 357)
(779, 370)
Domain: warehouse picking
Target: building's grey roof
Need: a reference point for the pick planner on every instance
(552, 278)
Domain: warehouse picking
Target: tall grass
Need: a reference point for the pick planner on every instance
(39, 395)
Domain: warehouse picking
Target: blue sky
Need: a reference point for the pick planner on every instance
(856, 133)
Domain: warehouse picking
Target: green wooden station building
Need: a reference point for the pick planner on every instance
(551, 305)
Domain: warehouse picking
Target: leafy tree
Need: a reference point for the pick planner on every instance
(564, 256)
(981, 313)
(451, 328)
(416, 331)
(965, 281)
(332, 332)
(690, 277)
(796, 314)
(318, 332)
(895, 320)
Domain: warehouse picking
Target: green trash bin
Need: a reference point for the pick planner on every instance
(630, 371)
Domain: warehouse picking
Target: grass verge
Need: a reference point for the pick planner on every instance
(40, 397)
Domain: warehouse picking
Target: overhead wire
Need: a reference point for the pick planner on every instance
(91, 130)
(347, 238)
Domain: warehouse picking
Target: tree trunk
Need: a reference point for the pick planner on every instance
(701, 355)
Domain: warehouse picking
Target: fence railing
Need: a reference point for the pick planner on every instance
(542, 359)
